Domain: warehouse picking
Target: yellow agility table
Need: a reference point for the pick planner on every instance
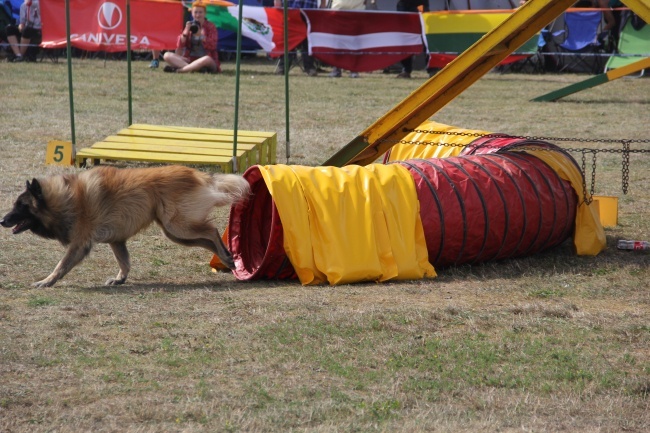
(179, 145)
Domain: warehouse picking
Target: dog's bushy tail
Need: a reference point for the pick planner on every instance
(231, 188)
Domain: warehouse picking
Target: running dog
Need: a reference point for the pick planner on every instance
(110, 205)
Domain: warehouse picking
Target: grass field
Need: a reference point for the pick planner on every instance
(553, 342)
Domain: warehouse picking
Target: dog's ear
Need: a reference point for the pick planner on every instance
(34, 189)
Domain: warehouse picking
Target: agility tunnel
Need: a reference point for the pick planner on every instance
(499, 197)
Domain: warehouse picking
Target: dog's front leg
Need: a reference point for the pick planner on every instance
(73, 255)
(122, 257)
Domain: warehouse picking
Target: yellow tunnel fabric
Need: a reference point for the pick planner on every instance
(350, 224)
(422, 145)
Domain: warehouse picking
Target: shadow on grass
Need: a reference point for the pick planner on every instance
(560, 260)
(164, 287)
(602, 102)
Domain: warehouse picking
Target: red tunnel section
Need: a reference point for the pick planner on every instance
(487, 204)
(256, 236)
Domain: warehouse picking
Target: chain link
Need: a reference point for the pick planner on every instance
(625, 169)
(593, 173)
(583, 167)
(624, 151)
(533, 137)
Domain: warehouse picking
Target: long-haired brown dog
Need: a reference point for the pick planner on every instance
(110, 205)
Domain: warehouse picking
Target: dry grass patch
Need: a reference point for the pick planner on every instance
(553, 342)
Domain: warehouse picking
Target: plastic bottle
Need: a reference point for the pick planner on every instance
(633, 245)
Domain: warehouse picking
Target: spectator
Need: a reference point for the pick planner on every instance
(307, 60)
(346, 5)
(410, 6)
(610, 22)
(196, 47)
(28, 30)
(615, 6)
(155, 54)
(6, 19)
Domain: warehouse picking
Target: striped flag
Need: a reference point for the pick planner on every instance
(263, 25)
(449, 33)
(363, 41)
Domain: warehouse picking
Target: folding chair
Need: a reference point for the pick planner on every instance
(630, 42)
(581, 30)
(526, 59)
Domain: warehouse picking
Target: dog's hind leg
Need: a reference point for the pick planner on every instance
(73, 255)
(122, 257)
(203, 235)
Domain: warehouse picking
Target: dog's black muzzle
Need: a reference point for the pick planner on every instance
(13, 220)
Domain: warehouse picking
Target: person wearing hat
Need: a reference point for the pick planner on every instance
(196, 46)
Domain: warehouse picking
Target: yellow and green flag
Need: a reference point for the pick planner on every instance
(448, 33)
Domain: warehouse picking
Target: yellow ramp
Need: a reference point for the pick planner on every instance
(639, 7)
(457, 76)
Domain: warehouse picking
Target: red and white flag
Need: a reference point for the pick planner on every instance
(363, 41)
(100, 25)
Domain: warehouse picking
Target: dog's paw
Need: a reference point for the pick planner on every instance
(43, 283)
(115, 281)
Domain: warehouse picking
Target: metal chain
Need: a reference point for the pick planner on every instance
(583, 168)
(625, 169)
(625, 151)
(593, 173)
(527, 137)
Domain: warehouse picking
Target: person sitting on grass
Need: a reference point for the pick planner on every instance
(196, 47)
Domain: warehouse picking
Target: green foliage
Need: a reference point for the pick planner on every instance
(41, 301)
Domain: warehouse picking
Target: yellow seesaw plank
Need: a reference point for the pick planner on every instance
(187, 136)
(179, 142)
(118, 155)
(244, 158)
(255, 151)
(164, 128)
(270, 144)
(267, 153)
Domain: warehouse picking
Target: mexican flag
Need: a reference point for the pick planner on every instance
(263, 25)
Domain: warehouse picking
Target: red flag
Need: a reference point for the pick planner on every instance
(263, 25)
(363, 40)
(99, 25)
(297, 29)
